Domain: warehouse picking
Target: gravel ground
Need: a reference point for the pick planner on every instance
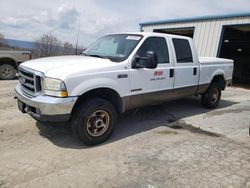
(176, 144)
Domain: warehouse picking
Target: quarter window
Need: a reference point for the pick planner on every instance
(183, 51)
(157, 45)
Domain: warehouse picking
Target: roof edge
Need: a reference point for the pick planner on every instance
(198, 18)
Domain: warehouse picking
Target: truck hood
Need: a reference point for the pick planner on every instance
(65, 65)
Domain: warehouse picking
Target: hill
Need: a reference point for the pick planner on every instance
(20, 43)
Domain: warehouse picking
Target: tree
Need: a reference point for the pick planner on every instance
(80, 49)
(68, 49)
(2, 40)
(48, 45)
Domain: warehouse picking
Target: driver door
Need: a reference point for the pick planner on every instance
(146, 85)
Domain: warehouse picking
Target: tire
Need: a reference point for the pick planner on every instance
(93, 122)
(7, 72)
(211, 98)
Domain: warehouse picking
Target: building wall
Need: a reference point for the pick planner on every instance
(207, 33)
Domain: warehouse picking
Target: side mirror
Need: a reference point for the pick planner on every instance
(150, 61)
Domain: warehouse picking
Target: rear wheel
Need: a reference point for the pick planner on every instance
(94, 121)
(211, 98)
(7, 72)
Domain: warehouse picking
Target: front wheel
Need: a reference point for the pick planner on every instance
(94, 121)
(211, 98)
(7, 72)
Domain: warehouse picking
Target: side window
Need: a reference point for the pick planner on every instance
(183, 51)
(157, 45)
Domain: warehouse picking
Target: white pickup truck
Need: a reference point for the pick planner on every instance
(117, 73)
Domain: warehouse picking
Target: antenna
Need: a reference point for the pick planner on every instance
(77, 39)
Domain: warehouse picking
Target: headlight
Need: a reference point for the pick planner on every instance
(54, 87)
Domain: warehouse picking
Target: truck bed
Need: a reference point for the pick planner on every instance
(204, 60)
(210, 66)
(18, 56)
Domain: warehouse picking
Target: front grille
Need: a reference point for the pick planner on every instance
(31, 83)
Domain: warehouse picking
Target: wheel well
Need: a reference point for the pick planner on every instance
(220, 80)
(105, 93)
(9, 61)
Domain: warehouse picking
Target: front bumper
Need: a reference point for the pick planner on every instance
(45, 108)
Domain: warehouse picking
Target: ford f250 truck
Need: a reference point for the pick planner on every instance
(117, 73)
(9, 62)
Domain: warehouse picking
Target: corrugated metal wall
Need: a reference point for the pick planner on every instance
(207, 32)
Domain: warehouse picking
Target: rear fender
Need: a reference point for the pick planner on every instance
(218, 72)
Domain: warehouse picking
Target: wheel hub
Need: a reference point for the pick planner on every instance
(98, 123)
(6, 71)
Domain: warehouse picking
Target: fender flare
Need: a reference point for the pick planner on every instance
(218, 72)
(11, 58)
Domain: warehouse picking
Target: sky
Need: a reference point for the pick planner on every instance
(30, 19)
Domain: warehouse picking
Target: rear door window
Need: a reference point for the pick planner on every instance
(183, 51)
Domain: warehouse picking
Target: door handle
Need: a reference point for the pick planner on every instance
(171, 73)
(195, 71)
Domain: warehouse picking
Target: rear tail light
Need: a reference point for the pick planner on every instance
(30, 56)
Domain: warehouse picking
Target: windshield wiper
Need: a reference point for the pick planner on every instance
(94, 55)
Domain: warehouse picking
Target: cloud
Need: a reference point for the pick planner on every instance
(67, 16)
(43, 17)
(30, 19)
(61, 22)
(15, 22)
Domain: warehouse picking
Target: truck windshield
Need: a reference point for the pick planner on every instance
(114, 47)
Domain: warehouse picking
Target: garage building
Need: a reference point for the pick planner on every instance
(225, 36)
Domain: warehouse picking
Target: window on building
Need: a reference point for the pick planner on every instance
(183, 51)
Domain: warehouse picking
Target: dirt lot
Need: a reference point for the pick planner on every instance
(201, 148)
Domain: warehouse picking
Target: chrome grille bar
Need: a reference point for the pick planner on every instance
(26, 77)
(27, 84)
(30, 81)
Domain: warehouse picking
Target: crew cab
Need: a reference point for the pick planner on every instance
(117, 73)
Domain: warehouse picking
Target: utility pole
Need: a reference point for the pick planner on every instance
(77, 39)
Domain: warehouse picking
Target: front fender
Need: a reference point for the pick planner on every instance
(96, 83)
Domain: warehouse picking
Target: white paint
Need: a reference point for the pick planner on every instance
(81, 73)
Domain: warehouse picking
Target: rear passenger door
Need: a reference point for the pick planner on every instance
(186, 71)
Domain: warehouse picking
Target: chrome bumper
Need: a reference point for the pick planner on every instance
(46, 108)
